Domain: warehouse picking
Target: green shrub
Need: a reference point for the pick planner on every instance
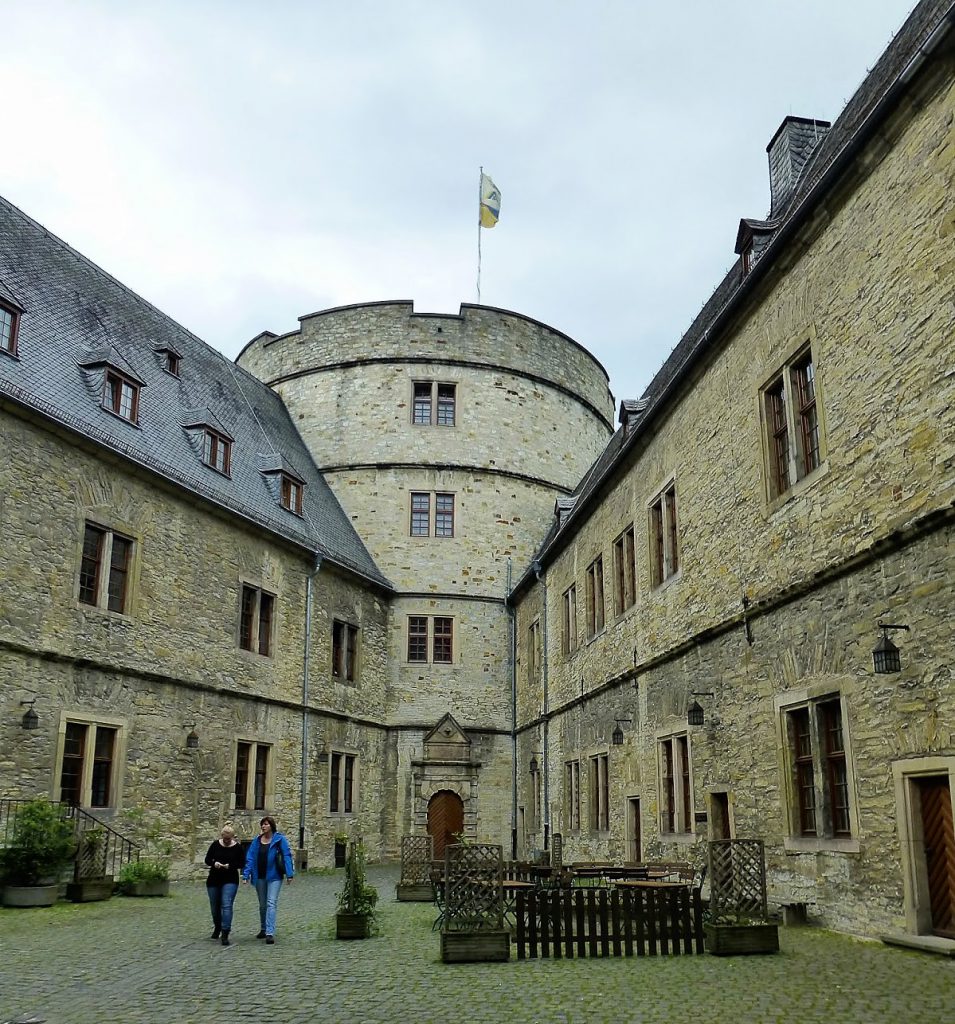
(41, 844)
(148, 869)
(357, 896)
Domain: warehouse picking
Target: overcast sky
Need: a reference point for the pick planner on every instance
(242, 164)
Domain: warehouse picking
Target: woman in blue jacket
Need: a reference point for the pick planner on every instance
(268, 861)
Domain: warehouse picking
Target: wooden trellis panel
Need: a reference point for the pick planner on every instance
(737, 869)
(416, 856)
(557, 851)
(473, 888)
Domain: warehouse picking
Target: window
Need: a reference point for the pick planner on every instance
(820, 781)
(595, 597)
(421, 525)
(676, 810)
(433, 404)
(341, 783)
(533, 651)
(664, 543)
(217, 452)
(440, 630)
(255, 620)
(9, 328)
(88, 768)
(535, 776)
(572, 796)
(292, 491)
(105, 567)
(599, 794)
(568, 622)
(624, 571)
(121, 396)
(344, 651)
(171, 362)
(793, 436)
(251, 775)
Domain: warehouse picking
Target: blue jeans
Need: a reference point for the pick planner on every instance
(268, 893)
(221, 898)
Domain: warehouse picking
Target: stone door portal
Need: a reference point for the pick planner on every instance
(445, 818)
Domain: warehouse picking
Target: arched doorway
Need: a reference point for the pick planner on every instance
(445, 818)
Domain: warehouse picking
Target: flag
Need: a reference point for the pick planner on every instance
(490, 202)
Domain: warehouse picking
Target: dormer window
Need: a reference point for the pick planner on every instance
(121, 396)
(172, 362)
(217, 452)
(9, 323)
(292, 494)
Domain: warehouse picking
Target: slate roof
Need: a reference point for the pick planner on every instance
(874, 98)
(77, 319)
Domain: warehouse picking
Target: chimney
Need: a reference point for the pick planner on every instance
(789, 150)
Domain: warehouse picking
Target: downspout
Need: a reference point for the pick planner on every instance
(303, 787)
(542, 579)
(512, 658)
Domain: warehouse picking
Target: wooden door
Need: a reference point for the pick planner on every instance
(445, 818)
(939, 835)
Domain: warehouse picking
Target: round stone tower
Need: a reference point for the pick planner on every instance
(447, 440)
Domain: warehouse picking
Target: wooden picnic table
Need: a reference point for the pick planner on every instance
(649, 883)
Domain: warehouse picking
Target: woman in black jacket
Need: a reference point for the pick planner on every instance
(225, 860)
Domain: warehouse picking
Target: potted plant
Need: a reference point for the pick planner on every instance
(41, 845)
(357, 900)
(149, 875)
(341, 848)
(90, 881)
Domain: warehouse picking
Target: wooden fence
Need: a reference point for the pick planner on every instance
(608, 922)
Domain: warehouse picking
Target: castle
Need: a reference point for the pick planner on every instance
(397, 572)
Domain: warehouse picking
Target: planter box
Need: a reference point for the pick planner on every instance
(90, 890)
(415, 892)
(30, 895)
(352, 926)
(741, 939)
(475, 947)
(146, 888)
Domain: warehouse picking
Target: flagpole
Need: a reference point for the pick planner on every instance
(480, 179)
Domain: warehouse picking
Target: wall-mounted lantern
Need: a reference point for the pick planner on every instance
(616, 737)
(534, 765)
(192, 739)
(30, 720)
(885, 655)
(694, 713)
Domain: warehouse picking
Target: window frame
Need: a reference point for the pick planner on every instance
(256, 775)
(820, 801)
(664, 535)
(569, 636)
(10, 346)
(254, 617)
(291, 493)
(533, 654)
(793, 433)
(100, 592)
(213, 443)
(676, 815)
(572, 795)
(113, 393)
(432, 518)
(423, 635)
(92, 723)
(343, 780)
(625, 570)
(596, 598)
(431, 401)
(345, 651)
(598, 780)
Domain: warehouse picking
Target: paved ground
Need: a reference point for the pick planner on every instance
(132, 960)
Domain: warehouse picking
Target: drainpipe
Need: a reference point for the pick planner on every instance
(512, 657)
(303, 789)
(542, 579)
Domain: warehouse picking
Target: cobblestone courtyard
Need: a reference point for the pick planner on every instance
(152, 960)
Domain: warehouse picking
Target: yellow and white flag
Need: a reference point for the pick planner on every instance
(490, 202)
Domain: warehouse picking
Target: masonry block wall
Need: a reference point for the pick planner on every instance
(776, 599)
